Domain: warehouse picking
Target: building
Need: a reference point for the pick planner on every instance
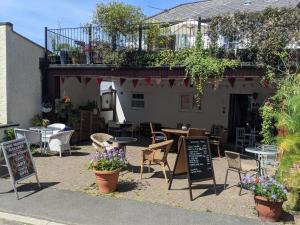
(20, 78)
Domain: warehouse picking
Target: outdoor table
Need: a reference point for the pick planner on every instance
(178, 132)
(45, 131)
(123, 141)
(260, 155)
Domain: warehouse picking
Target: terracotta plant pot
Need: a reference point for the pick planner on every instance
(107, 180)
(266, 210)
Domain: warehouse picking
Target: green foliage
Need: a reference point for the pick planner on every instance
(268, 129)
(9, 134)
(63, 108)
(89, 106)
(63, 47)
(37, 121)
(267, 33)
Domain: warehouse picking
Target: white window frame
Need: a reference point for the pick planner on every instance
(137, 99)
(191, 103)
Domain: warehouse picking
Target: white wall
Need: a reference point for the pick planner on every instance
(3, 99)
(162, 102)
(24, 87)
(80, 93)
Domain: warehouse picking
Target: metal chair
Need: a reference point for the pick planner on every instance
(157, 154)
(240, 138)
(157, 135)
(60, 142)
(269, 160)
(32, 137)
(235, 165)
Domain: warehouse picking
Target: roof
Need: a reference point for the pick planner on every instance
(210, 8)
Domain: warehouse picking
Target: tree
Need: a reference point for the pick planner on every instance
(117, 19)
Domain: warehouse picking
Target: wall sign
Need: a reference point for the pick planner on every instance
(194, 159)
(19, 161)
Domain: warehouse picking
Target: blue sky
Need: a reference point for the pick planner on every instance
(31, 16)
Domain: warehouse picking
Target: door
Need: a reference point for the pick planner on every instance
(239, 113)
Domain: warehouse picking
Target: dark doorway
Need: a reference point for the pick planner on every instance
(239, 113)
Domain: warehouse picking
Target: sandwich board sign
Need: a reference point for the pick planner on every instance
(19, 161)
(194, 160)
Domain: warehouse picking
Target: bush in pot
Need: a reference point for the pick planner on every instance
(106, 166)
(269, 196)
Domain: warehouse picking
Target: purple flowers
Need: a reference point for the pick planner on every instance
(108, 160)
(265, 186)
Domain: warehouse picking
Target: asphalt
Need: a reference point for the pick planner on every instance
(79, 208)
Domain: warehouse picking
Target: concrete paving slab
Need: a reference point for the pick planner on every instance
(78, 208)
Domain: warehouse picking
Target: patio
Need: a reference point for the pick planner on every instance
(71, 173)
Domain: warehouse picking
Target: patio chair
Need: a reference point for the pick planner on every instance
(240, 138)
(157, 154)
(235, 165)
(269, 160)
(32, 137)
(57, 126)
(196, 132)
(157, 135)
(60, 142)
(100, 141)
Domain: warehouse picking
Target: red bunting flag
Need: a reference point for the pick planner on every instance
(62, 80)
(122, 81)
(186, 82)
(135, 82)
(231, 80)
(171, 82)
(158, 81)
(99, 80)
(148, 81)
(87, 80)
(78, 78)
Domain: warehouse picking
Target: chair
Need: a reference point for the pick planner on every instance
(114, 128)
(240, 138)
(100, 141)
(157, 154)
(60, 142)
(57, 126)
(32, 137)
(269, 160)
(235, 165)
(157, 135)
(196, 132)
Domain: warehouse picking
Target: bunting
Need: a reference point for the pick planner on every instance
(99, 80)
(78, 78)
(122, 81)
(148, 81)
(62, 80)
(87, 80)
(158, 81)
(186, 82)
(231, 80)
(135, 82)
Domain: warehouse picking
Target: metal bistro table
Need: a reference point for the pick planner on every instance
(46, 133)
(260, 155)
(123, 141)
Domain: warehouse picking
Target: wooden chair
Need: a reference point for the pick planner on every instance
(196, 132)
(157, 135)
(157, 154)
(215, 141)
(100, 141)
(235, 165)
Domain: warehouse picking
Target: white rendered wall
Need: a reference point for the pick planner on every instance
(162, 102)
(24, 87)
(3, 99)
(80, 93)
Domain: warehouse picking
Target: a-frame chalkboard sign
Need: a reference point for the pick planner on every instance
(19, 161)
(194, 160)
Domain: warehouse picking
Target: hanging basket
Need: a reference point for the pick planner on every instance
(46, 110)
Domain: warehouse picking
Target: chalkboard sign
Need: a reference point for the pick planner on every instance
(198, 159)
(18, 160)
(194, 160)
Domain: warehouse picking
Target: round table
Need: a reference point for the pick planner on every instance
(123, 141)
(261, 154)
(46, 132)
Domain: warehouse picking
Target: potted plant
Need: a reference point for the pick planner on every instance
(74, 54)
(63, 52)
(106, 166)
(269, 196)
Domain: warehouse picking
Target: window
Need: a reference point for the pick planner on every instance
(137, 101)
(188, 102)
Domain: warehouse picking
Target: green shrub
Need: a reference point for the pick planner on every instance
(9, 134)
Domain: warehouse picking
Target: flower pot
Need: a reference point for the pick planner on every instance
(63, 57)
(107, 180)
(266, 210)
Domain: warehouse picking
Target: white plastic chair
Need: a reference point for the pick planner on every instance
(32, 137)
(57, 127)
(240, 138)
(60, 142)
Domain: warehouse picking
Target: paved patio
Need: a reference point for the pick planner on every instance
(70, 173)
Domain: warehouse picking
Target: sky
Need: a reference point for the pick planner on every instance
(30, 17)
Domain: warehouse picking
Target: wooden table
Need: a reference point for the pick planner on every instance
(177, 132)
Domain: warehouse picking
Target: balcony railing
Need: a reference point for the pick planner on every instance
(94, 45)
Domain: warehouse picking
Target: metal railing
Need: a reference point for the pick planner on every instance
(96, 45)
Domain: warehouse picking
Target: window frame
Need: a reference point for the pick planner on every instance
(137, 99)
(191, 103)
